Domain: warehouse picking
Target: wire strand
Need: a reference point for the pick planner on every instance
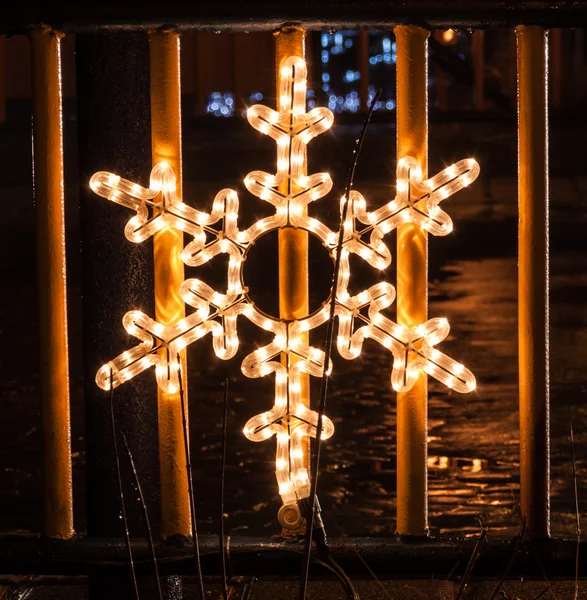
(327, 354)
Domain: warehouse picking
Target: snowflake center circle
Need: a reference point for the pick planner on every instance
(261, 274)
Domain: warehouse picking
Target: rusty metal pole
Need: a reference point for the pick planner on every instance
(477, 49)
(164, 52)
(533, 279)
(51, 280)
(364, 69)
(293, 243)
(412, 282)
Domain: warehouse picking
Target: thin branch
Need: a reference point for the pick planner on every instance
(453, 571)
(222, 473)
(247, 589)
(511, 561)
(188, 467)
(360, 557)
(505, 593)
(578, 518)
(472, 561)
(327, 354)
(548, 588)
(121, 491)
(145, 513)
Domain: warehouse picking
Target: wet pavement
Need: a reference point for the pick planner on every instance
(319, 590)
(473, 451)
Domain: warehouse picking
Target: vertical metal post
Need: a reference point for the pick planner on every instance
(51, 280)
(292, 243)
(364, 69)
(164, 47)
(533, 278)
(412, 282)
(114, 134)
(477, 49)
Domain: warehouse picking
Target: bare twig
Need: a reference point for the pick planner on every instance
(511, 561)
(548, 588)
(188, 466)
(504, 592)
(472, 561)
(360, 557)
(222, 473)
(242, 586)
(121, 491)
(145, 513)
(578, 518)
(327, 354)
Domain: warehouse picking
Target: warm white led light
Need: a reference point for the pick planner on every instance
(417, 200)
(156, 206)
(289, 191)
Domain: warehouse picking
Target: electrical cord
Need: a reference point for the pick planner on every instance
(321, 541)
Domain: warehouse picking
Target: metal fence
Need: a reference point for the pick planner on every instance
(129, 116)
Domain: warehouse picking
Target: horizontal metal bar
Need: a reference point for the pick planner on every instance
(388, 558)
(257, 15)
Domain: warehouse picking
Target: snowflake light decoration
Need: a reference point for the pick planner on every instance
(290, 190)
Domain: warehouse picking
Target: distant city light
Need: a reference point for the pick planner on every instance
(338, 75)
(349, 76)
(449, 36)
(221, 104)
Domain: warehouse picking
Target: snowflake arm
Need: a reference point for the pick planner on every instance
(414, 352)
(152, 214)
(291, 127)
(289, 420)
(160, 346)
(413, 348)
(417, 201)
(374, 251)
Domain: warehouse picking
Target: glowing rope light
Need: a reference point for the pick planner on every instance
(217, 313)
(417, 201)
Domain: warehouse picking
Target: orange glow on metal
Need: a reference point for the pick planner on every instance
(49, 201)
(533, 353)
(164, 48)
(412, 282)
